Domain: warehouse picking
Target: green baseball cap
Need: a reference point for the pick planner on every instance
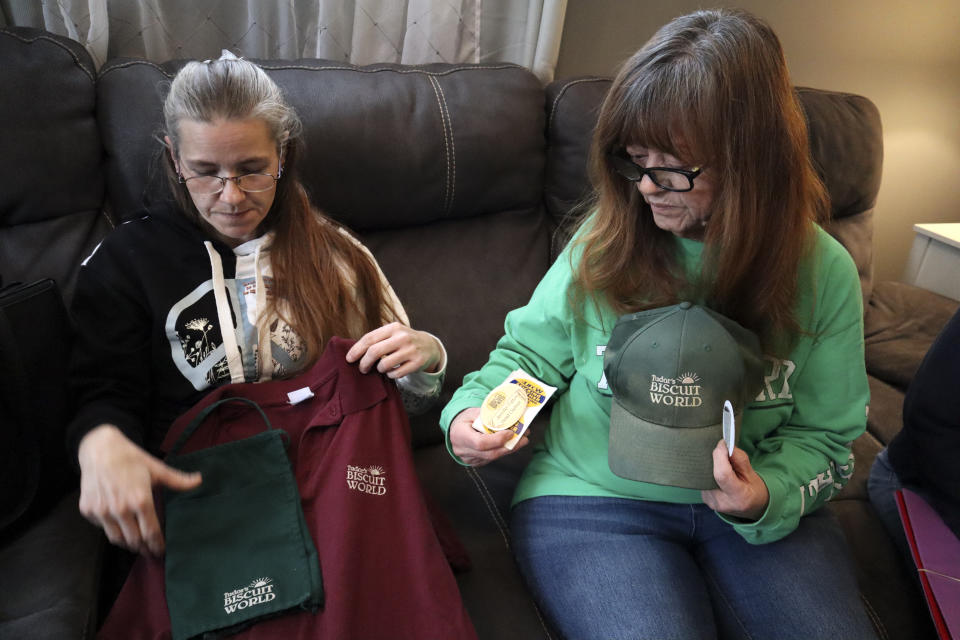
(670, 370)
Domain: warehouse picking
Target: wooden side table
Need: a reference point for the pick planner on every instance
(934, 261)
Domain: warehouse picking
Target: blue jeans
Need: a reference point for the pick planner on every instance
(608, 568)
(882, 485)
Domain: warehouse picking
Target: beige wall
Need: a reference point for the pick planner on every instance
(904, 55)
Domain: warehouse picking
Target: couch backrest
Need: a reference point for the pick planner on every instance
(845, 138)
(51, 181)
(439, 168)
(387, 145)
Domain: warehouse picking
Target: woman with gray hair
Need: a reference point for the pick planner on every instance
(241, 281)
(634, 519)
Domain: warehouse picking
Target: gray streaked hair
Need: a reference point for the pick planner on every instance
(228, 88)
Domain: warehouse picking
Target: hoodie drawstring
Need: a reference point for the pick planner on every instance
(224, 316)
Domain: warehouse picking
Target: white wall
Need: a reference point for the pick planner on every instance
(903, 55)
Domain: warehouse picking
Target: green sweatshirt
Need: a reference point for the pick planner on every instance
(797, 432)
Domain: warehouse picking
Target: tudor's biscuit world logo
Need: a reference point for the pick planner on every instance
(257, 592)
(682, 391)
(371, 480)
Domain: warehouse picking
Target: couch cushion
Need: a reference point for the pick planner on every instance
(386, 146)
(450, 287)
(52, 185)
(477, 501)
(51, 576)
(901, 323)
(847, 146)
(572, 110)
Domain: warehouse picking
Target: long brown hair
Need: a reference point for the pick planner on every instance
(310, 256)
(711, 88)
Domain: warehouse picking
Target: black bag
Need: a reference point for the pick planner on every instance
(35, 339)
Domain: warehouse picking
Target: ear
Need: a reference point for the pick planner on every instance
(173, 155)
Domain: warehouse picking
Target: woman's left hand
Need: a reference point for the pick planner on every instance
(741, 491)
(396, 350)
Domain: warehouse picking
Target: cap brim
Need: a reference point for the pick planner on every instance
(671, 456)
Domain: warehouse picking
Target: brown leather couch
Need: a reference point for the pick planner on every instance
(461, 180)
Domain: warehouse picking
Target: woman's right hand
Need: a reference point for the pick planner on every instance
(116, 488)
(477, 449)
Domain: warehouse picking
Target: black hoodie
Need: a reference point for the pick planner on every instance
(138, 306)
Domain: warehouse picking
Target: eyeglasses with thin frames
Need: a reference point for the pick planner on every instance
(666, 178)
(248, 183)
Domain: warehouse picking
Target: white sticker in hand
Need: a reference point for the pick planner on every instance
(729, 427)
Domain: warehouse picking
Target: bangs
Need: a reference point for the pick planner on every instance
(662, 110)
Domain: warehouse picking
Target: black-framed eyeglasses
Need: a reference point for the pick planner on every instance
(667, 178)
(248, 183)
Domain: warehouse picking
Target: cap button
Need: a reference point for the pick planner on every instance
(685, 305)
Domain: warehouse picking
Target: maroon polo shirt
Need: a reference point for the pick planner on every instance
(384, 572)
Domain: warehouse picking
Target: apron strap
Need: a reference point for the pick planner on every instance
(200, 417)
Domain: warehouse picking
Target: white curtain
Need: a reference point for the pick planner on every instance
(525, 32)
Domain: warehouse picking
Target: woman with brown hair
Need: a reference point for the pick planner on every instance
(241, 281)
(698, 275)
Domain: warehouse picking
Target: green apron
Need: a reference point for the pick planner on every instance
(238, 547)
